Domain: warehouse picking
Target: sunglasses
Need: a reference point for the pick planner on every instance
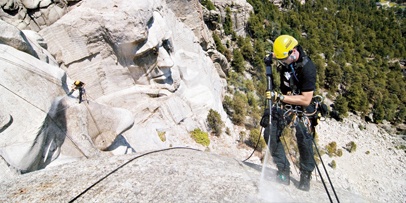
(283, 61)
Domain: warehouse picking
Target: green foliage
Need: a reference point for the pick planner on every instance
(208, 4)
(255, 134)
(220, 47)
(242, 136)
(228, 105)
(401, 147)
(238, 61)
(228, 23)
(379, 113)
(351, 147)
(247, 49)
(339, 152)
(331, 148)
(228, 131)
(357, 97)
(333, 76)
(236, 107)
(341, 106)
(162, 136)
(357, 39)
(214, 122)
(333, 164)
(240, 104)
(200, 137)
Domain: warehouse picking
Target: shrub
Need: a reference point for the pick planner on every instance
(333, 164)
(228, 131)
(214, 122)
(200, 137)
(238, 61)
(367, 152)
(351, 147)
(240, 104)
(228, 105)
(228, 23)
(339, 152)
(401, 147)
(331, 148)
(162, 136)
(208, 4)
(242, 136)
(253, 140)
(220, 47)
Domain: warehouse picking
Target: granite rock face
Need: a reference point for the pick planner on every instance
(137, 55)
(33, 14)
(40, 122)
(145, 71)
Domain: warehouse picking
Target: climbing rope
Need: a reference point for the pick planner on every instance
(321, 160)
(298, 117)
(121, 166)
(60, 128)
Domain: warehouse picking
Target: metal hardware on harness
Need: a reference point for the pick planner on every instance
(299, 115)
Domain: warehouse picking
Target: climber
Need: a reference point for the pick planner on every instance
(298, 82)
(79, 85)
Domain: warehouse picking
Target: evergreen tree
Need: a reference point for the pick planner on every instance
(238, 62)
(228, 24)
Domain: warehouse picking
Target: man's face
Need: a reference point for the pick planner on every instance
(290, 59)
(151, 63)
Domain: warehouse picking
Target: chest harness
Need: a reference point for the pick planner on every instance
(299, 113)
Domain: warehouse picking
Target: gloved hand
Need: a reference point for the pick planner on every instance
(268, 59)
(276, 96)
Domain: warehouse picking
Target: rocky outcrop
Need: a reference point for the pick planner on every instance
(191, 14)
(167, 175)
(33, 14)
(137, 55)
(28, 88)
(240, 12)
(145, 73)
(38, 121)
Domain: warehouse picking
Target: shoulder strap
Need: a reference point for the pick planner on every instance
(304, 61)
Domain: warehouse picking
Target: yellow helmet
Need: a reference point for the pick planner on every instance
(282, 45)
(77, 82)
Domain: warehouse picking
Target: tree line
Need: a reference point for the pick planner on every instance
(356, 46)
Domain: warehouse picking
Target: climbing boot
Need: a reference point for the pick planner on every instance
(304, 183)
(283, 176)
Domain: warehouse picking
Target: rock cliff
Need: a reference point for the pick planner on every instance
(152, 74)
(137, 58)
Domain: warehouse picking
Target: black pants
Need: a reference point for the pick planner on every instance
(80, 94)
(304, 142)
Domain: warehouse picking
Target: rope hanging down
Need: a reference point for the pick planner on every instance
(118, 168)
(60, 128)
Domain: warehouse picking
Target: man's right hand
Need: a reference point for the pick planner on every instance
(276, 96)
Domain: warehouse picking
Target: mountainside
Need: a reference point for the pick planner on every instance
(153, 70)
